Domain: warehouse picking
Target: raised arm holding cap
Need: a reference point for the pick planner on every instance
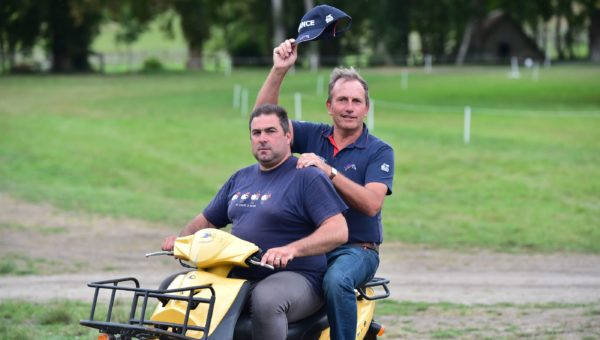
(360, 166)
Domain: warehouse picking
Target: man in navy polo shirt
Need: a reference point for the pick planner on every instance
(361, 168)
(294, 214)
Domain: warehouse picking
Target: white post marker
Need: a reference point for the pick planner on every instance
(547, 57)
(314, 62)
(244, 105)
(228, 66)
(514, 68)
(371, 116)
(428, 60)
(298, 105)
(467, 129)
(404, 80)
(535, 73)
(320, 83)
(236, 96)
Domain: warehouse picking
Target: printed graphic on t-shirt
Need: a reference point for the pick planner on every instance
(264, 198)
(248, 199)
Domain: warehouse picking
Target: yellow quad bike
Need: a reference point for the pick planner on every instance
(204, 303)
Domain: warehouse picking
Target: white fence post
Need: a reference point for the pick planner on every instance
(320, 83)
(467, 129)
(244, 105)
(298, 105)
(514, 68)
(535, 73)
(371, 116)
(427, 65)
(404, 80)
(228, 65)
(236, 96)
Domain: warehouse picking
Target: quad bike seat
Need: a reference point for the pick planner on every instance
(308, 328)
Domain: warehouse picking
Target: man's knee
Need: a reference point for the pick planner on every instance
(262, 301)
(337, 280)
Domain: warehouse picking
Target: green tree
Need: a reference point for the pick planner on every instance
(390, 29)
(195, 25)
(593, 8)
(70, 29)
(440, 24)
(19, 29)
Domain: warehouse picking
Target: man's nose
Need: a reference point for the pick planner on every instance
(262, 138)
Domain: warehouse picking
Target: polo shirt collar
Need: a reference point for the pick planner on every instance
(360, 143)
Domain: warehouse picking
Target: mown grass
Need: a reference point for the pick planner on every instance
(55, 320)
(59, 319)
(158, 147)
(498, 321)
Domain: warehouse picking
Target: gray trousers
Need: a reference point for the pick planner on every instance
(278, 299)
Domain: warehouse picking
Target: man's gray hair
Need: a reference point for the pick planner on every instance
(347, 74)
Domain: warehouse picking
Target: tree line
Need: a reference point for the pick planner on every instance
(251, 28)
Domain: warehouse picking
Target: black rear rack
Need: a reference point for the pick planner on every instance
(374, 283)
(138, 326)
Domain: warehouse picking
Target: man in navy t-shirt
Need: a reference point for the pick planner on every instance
(361, 168)
(294, 215)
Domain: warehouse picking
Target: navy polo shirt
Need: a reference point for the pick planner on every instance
(367, 160)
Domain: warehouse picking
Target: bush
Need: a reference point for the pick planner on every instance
(152, 65)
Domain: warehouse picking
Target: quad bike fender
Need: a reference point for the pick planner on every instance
(231, 296)
(365, 310)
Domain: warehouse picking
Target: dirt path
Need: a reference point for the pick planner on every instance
(68, 250)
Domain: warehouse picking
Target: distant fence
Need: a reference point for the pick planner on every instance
(134, 61)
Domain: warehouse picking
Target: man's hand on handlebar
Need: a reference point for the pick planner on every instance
(278, 257)
(168, 243)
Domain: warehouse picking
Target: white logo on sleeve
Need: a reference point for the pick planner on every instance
(385, 167)
(328, 18)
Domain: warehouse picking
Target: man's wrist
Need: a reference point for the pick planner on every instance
(332, 173)
(280, 70)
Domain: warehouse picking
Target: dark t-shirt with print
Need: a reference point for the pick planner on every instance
(274, 208)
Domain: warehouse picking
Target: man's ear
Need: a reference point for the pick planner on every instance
(328, 105)
(291, 127)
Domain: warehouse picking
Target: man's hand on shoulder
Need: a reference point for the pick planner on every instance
(310, 159)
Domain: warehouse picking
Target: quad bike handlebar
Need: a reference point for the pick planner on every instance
(253, 260)
(159, 253)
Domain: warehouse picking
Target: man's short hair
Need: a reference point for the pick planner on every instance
(271, 109)
(347, 74)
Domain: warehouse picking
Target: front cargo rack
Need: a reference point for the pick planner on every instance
(138, 326)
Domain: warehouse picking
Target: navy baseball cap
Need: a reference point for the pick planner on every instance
(322, 22)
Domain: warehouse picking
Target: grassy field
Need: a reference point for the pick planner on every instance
(158, 147)
(403, 320)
